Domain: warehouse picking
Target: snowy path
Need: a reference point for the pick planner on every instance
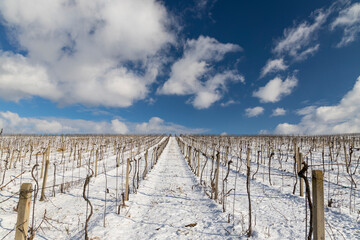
(167, 201)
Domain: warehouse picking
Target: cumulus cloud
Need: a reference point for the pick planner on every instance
(157, 125)
(278, 112)
(341, 118)
(349, 19)
(20, 78)
(13, 123)
(253, 112)
(275, 89)
(119, 127)
(193, 73)
(272, 66)
(89, 52)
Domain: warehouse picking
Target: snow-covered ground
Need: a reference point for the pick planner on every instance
(276, 212)
(170, 203)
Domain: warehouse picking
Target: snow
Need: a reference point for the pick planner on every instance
(166, 202)
(170, 203)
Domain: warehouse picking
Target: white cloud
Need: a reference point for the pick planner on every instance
(119, 127)
(20, 78)
(192, 74)
(307, 52)
(272, 66)
(278, 112)
(349, 19)
(341, 118)
(158, 125)
(228, 103)
(275, 89)
(264, 132)
(299, 37)
(253, 112)
(13, 123)
(306, 110)
(83, 50)
(286, 128)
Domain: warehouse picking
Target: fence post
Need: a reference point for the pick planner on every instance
(300, 161)
(42, 164)
(22, 223)
(42, 198)
(198, 164)
(96, 161)
(217, 175)
(189, 159)
(146, 157)
(127, 180)
(318, 205)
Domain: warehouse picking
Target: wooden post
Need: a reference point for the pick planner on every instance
(42, 198)
(131, 151)
(217, 175)
(42, 164)
(248, 189)
(300, 161)
(79, 157)
(146, 157)
(189, 159)
(11, 159)
(22, 223)
(96, 161)
(127, 180)
(75, 154)
(318, 204)
(226, 155)
(198, 165)
(346, 159)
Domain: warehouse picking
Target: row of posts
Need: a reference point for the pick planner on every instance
(317, 186)
(317, 195)
(26, 190)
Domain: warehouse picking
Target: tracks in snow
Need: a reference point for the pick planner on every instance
(166, 203)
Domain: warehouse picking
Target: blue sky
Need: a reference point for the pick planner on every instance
(212, 67)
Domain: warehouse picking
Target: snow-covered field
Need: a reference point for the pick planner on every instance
(170, 202)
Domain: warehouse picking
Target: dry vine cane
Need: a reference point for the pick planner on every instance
(87, 180)
(302, 175)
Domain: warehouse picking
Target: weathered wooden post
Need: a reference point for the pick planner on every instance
(75, 154)
(318, 205)
(226, 155)
(12, 158)
(248, 189)
(42, 164)
(217, 175)
(96, 161)
(198, 164)
(22, 223)
(146, 157)
(189, 158)
(42, 198)
(127, 180)
(299, 163)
